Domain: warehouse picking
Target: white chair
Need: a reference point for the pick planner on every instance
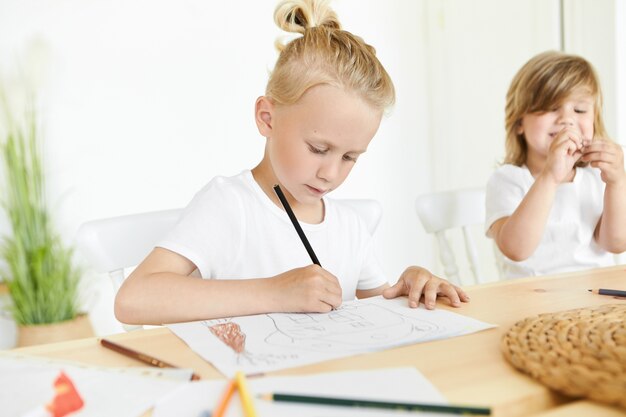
(441, 211)
(113, 244)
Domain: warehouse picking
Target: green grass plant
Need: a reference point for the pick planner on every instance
(39, 273)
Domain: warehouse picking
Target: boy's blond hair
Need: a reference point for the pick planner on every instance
(542, 84)
(324, 54)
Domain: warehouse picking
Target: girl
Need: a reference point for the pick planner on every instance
(559, 201)
(322, 106)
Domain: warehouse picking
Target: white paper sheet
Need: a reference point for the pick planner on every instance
(27, 383)
(393, 384)
(269, 342)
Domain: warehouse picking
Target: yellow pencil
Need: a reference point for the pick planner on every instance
(244, 394)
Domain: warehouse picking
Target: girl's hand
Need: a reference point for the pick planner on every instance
(310, 289)
(608, 157)
(416, 281)
(565, 150)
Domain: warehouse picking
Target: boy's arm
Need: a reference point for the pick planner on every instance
(160, 291)
(610, 232)
(611, 229)
(518, 235)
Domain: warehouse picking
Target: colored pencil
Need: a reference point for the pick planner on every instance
(605, 291)
(295, 223)
(244, 395)
(150, 360)
(224, 401)
(351, 402)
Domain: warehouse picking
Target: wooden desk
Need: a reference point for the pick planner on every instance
(468, 369)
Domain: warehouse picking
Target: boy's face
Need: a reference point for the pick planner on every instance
(314, 143)
(540, 129)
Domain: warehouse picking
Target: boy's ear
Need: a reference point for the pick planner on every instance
(263, 114)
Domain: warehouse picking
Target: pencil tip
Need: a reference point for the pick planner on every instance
(590, 290)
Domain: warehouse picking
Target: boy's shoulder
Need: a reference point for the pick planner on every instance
(508, 177)
(510, 169)
(227, 184)
(225, 190)
(510, 172)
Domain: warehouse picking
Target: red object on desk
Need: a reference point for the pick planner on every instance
(67, 400)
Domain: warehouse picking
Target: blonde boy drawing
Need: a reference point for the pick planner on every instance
(323, 105)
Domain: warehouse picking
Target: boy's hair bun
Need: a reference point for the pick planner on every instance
(296, 16)
(323, 53)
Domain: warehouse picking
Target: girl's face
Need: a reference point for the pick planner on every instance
(540, 129)
(313, 144)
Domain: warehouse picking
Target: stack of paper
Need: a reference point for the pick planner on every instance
(392, 384)
(27, 384)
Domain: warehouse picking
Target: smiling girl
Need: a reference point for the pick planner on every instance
(559, 201)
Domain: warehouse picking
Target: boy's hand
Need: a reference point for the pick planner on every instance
(310, 289)
(565, 150)
(608, 157)
(416, 281)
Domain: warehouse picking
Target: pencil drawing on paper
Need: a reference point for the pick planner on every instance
(231, 335)
(350, 327)
(266, 342)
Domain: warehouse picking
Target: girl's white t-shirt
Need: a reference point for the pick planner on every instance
(567, 243)
(232, 230)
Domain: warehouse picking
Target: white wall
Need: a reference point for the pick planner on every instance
(144, 101)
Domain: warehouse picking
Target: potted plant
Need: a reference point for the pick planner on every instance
(42, 280)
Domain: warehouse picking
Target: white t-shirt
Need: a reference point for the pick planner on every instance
(567, 243)
(232, 230)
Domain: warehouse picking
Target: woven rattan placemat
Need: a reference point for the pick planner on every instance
(580, 353)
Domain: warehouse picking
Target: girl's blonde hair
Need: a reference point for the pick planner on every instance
(542, 84)
(324, 54)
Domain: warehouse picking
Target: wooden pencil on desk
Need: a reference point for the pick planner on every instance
(606, 291)
(353, 402)
(150, 360)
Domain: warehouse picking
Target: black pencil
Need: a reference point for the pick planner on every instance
(399, 406)
(605, 291)
(295, 223)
